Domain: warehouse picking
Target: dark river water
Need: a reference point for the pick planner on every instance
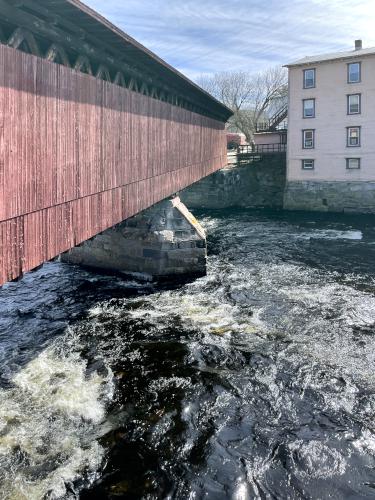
(254, 382)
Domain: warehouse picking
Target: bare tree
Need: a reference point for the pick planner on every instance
(250, 97)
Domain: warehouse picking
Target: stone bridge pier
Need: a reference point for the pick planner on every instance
(163, 241)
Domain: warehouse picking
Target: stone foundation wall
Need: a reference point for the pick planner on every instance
(357, 197)
(258, 184)
(163, 241)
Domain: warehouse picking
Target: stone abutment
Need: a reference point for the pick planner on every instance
(163, 241)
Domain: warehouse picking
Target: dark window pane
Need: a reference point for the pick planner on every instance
(354, 72)
(309, 78)
(353, 163)
(354, 104)
(353, 136)
(307, 164)
(308, 139)
(309, 108)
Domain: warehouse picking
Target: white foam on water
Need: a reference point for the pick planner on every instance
(100, 309)
(60, 384)
(47, 426)
(317, 460)
(194, 308)
(241, 491)
(162, 383)
(366, 442)
(330, 234)
(334, 310)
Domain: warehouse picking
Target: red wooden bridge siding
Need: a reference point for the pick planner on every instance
(78, 155)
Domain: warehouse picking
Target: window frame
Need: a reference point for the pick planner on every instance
(359, 72)
(303, 108)
(348, 145)
(348, 96)
(304, 161)
(348, 163)
(304, 139)
(304, 78)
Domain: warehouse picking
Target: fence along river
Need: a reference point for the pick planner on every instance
(256, 381)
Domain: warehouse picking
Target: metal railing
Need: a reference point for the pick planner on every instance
(265, 127)
(244, 155)
(261, 148)
(278, 117)
(275, 122)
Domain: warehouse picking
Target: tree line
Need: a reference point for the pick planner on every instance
(253, 98)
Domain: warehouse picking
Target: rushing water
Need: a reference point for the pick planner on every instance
(257, 381)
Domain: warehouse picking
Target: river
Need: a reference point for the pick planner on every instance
(254, 382)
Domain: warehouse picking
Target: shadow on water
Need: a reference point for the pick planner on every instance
(44, 327)
(40, 306)
(256, 381)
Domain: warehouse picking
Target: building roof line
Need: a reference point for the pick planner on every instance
(321, 58)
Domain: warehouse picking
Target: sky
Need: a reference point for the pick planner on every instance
(202, 37)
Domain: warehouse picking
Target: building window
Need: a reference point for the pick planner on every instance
(309, 108)
(309, 78)
(308, 164)
(308, 139)
(354, 72)
(353, 137)
(353, 163)
(354, 104)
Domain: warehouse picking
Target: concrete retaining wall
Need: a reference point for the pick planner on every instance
(327, 196)
(258, 184)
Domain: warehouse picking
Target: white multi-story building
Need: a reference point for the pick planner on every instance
(331, 132)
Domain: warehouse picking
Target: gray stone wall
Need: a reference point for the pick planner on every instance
(324, 196)
(163, 241)
(258, 184)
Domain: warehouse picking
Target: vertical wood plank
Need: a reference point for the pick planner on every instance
(78, 155)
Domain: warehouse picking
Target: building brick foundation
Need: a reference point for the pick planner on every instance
(324, 196)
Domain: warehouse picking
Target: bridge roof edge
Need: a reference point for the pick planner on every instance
(107, 26)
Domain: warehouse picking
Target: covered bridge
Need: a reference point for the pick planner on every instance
(94, 128)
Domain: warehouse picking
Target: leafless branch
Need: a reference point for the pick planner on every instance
(250, 97)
